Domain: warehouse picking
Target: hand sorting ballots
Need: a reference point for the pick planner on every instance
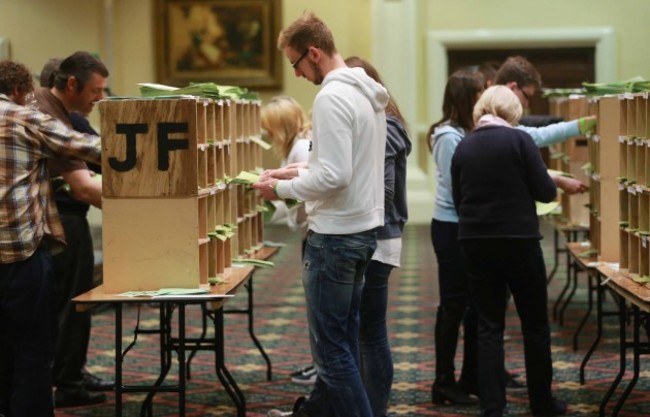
(269, 179)
(570, 185)
(587, 125)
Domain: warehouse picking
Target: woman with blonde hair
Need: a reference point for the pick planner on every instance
(497, 175)
(285, 123)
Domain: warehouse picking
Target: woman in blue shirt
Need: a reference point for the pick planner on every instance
(462, 91)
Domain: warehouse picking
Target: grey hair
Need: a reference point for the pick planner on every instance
(499, 101)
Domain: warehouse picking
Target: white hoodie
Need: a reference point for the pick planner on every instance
(344, 185)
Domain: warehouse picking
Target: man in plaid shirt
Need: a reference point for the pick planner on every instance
(30, 230)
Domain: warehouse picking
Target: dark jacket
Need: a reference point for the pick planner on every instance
(497, 174)
(398, 147)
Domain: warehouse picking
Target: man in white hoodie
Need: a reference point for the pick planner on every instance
(343, 188)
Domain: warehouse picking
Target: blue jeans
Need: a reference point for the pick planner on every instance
(333, 269)
(376, 358)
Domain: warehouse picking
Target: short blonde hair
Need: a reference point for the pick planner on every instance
(499, 101)
(284, 120)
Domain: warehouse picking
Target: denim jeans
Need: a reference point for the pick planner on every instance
(376, 358)
(333, 276)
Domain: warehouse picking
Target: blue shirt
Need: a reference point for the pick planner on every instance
(445, 140)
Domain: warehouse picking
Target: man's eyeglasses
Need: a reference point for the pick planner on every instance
(304, 54)
(526, 95)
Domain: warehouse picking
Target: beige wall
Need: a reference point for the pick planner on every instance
(40, 29)
(628, 18)
(350, 23)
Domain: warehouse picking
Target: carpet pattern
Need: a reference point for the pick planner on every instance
(280, 324)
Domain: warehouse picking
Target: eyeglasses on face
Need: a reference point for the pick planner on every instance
(526, 95)
(304, 54)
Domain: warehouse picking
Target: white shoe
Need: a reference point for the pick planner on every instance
(296, 412)
(278, 413)
(305, 376)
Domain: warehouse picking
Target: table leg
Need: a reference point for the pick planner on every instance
(228, 382)
(165, 311)
(622, 362)
(118, 360)
(592, 284)
(573, 273)
(182, 381)
(560, 297)
(636, 341)
(251, 331)
(204, 331)
(556, 243)
(599, 329)
(249, 310)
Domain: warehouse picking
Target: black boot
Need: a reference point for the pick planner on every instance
(468, 387)
(448, 392)
(444, 389)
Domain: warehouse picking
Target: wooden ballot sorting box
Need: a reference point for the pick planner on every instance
(570, 156)
(575, 208)
(164, 162)
(633, 185)
(605, 157)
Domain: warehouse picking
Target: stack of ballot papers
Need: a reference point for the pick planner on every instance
(171, 293)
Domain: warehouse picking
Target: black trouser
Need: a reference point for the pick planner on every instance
(28, 333)
(494, 264)
(73, 272)
(454, 307)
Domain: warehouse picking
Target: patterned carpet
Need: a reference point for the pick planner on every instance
(280, 326)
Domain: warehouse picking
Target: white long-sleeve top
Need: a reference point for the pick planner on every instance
(295, 217)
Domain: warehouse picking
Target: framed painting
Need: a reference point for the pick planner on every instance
(229, 42)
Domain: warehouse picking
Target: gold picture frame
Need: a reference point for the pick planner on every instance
(229, 42)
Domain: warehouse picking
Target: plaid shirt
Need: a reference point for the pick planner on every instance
(27, 210)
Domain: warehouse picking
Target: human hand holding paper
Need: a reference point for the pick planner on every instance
(587, 124)
(267, 188)
(569, 185)
(284, 173)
